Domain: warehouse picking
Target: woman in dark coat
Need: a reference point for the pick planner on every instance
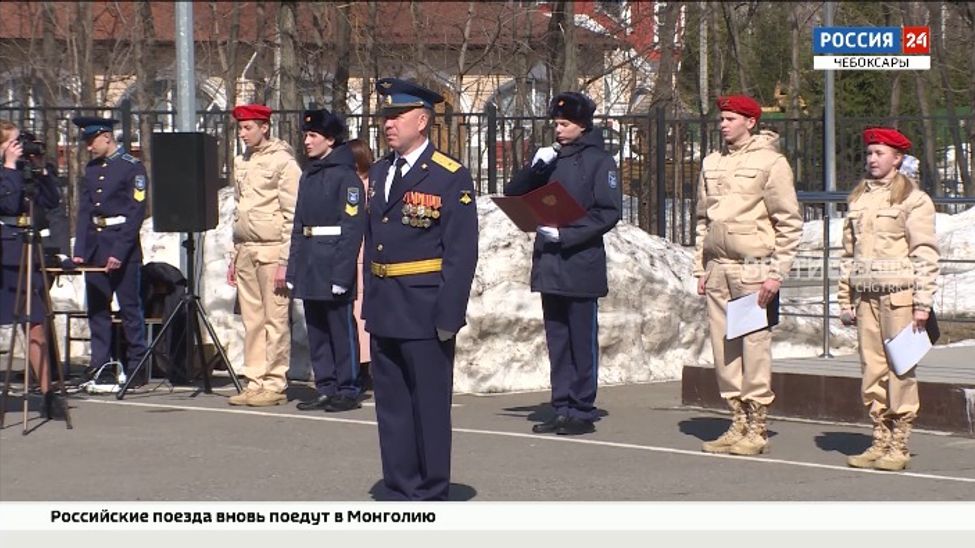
(15, 197)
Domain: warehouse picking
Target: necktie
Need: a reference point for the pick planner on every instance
(397, 177)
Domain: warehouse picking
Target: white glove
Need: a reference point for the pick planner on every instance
(546, 154)
(549, 233)
(445, 335)
(338, 289)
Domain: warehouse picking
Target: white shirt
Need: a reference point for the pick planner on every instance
(410, 158)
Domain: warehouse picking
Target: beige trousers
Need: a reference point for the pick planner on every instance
(743, 365)
(881, 316)
(265, 312)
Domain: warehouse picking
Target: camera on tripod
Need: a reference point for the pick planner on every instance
(32, 164)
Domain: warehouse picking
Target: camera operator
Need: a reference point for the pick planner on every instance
(23, 178)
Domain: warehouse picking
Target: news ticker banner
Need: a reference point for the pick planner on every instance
(872, 48)
(479, 516)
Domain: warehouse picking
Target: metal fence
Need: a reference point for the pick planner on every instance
(659, 156)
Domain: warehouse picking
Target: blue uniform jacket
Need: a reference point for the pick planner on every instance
(112, 186)
(413, 307)
(576, 265)
(13, 203)
(330, 193)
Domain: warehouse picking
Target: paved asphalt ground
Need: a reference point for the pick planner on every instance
(163, 445)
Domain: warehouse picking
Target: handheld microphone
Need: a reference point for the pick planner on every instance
(539, 165)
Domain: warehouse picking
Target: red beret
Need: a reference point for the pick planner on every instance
(252, 112)
(886, 136)
(742, 104)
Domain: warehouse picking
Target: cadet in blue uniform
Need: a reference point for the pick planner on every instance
(329, 221)
(14, 218)
(111, 208)
(421, 251)
(569, 263)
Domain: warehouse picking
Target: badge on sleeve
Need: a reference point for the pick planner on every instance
(612, 180)
(353, 196)
(465, 197)
(140, 188)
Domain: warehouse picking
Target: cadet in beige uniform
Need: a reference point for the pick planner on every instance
(888, 280)
(266, 184)
(748, 229)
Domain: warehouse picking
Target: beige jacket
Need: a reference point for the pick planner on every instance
(266, 188)
(889, 247)
(747, 210)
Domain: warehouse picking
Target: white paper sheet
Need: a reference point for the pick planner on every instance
(744, 316)
(906, 349)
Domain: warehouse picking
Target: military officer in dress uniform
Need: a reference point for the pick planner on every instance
(111, 208)
(889, 277)
(421, 251)
(329, 222)
(569, 262)
(748, 229)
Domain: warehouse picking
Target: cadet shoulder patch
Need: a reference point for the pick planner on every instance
(129, 158)
(612, 180)
(445, 162)
(353, 196)
(351, 210)
(139, 182)
(465, 197)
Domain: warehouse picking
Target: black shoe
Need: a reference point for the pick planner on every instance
(314, 405)
(576, 427)
(342, 403)
(549, 426)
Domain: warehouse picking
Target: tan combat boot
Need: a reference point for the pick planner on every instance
(243, 397)
(267, 398)
(755, 441)
(897, 455)
(881, 441)
(735, 432)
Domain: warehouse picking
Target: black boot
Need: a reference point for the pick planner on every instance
(576, 427)
(339, 404)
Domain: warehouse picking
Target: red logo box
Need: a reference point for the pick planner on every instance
(916, 40)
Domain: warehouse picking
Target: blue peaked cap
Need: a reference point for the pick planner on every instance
(93, 125)
(404, 95)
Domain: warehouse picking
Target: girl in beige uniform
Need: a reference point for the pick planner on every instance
(889, 271)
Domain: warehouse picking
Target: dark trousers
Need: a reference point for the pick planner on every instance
(333, 342)
(124, 283)
(572, 333)
(413, 386)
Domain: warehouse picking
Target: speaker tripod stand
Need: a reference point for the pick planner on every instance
(31, 250)
(192, 308)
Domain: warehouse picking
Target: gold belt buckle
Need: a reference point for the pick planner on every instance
(306, 231)
(100, 222)
(380, 270)
(23, 221)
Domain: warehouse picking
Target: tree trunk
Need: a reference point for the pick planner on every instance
(145, 74)
(288, 75)
(343, 40)
(50, 74)
(954, 125)
(419, 39)
(929, 167)
(369, 78)
(727, 9)
(703, 60)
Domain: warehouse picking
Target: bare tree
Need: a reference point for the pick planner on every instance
(731, 23)
(343, 58)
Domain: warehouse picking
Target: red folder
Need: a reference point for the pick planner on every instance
(550, 205)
